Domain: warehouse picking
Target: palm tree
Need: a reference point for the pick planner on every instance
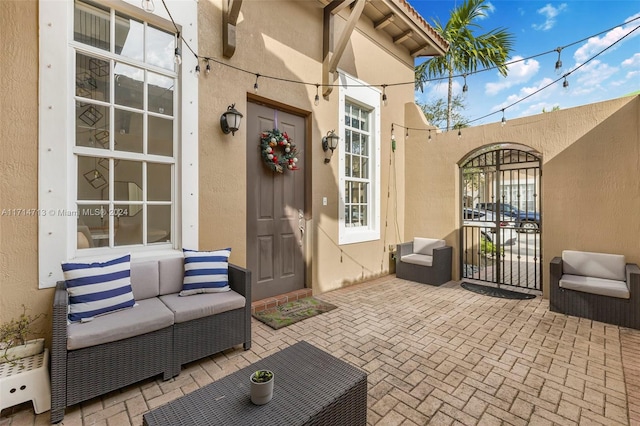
(466, 50)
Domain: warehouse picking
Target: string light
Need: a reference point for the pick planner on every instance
(178, 53)
(407, 134)
(255, 85)
(316, 100)
(465, 88)
(459, 134)
(559, 61)
(429, 138)
(565, 83)
(197, 67)
(148, 5)
(207, 68)
(178, 60)
(504, 120)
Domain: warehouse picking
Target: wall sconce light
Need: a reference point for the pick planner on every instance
(230, 120)
(330, 142)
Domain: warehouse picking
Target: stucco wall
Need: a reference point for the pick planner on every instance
(283, 41)
(590, 194)
(19, 162)
(291, 48)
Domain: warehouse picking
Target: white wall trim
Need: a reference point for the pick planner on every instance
(360, 92)
(56, 182)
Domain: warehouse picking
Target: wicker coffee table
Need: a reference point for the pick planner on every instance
(311, 387)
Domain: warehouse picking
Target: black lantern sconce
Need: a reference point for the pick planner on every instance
(330, 142)
(230, 120)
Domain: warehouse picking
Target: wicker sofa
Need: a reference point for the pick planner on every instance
(598, 286)
(157, 336)
(424, 260)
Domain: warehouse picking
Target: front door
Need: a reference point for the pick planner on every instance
(275, 207)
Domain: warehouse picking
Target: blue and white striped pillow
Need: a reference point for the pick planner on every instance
(205, 271)
(98, 288)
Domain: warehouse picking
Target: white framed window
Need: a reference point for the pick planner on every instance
(118, 141)
(359, 161)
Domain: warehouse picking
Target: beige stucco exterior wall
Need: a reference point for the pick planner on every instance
(590, 194)
(292, 50)
(19, 162)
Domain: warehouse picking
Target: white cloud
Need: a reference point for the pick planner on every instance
(550, 13)
(490, 9)
(633, 74)
(632, 62)
(529, 91)
(594, 73)
(596, 44)
(519, 72)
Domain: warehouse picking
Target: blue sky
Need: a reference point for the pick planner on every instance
(538, 27)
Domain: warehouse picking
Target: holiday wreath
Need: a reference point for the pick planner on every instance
(278, 150)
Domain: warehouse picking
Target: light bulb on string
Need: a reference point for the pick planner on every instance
(565, 83)
(465, 88)
(207, 68)
(255, 85)
(393, 139)
(504, 120)
(384, 95)
(148, 5)
(429, 138)
(459, 134)
(197, 71)
(316, 100)
(559, 61)
(178, 56)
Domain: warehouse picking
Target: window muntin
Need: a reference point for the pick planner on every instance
(125, 144)
(357, 182)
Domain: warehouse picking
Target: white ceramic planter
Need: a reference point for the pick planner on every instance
(261, 393)
(32, 347)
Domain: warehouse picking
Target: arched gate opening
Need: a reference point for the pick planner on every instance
(501, 218)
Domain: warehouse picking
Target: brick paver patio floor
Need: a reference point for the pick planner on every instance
(434, 355)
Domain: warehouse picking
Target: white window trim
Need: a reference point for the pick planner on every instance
(56, 168)
(357, 91)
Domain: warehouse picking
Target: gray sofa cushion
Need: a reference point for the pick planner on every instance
(601, 286)
(426, 245)
(171, 274)
(145, 279)
(147, 316)
(418, 259)
(597, 265)
(202, 305)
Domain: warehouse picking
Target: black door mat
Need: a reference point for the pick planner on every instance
(496, 292)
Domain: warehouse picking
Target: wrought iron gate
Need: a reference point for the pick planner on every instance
(501, 229)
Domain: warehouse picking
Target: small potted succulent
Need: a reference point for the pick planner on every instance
(261, 386)
(14, 337)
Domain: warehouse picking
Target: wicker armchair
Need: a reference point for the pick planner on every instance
(587, 295)
(424, 260)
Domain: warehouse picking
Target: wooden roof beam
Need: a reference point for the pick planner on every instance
(402, 37)
(333, 49)
(384, 22)
(230, 14)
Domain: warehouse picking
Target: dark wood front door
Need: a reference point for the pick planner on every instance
(275, 208)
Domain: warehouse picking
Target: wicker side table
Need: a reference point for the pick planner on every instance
(26, 380)
(311, 387)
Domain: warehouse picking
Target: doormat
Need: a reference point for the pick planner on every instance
(293, 312)
(496, 292)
